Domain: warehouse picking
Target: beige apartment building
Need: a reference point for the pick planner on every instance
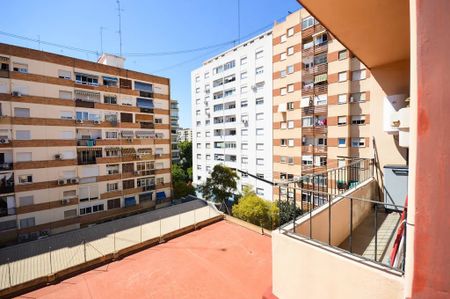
(80, 142)
(322, 112)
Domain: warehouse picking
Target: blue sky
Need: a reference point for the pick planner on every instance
(147, 26)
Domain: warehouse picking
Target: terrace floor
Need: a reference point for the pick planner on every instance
(222, 260)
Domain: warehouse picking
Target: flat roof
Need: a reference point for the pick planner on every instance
(222, 260)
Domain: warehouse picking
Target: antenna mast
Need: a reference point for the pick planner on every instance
(120, 26)
(101, 39)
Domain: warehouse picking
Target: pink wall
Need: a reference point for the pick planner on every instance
(432, 185)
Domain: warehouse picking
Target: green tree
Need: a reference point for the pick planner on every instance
(255, 210)
(181, 189)
(178, 173)
(287, 211)
(221, 186)
(185, 148)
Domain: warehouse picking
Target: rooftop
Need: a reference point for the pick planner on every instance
(222, 260)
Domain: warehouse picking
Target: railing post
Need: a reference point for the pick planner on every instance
(9, 272)
(293, 210)
(329, 219)
(404, 246)
(84, 244)
(351, 225)
(310, 215)
(376, 232)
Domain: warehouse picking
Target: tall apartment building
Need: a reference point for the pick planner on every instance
(184, 134)
(174, 127)
(232, 113)
(80, 142)
(321, 103)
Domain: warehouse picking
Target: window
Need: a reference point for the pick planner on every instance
(259, 54)
(244, 75)
(244, 160)
(259, 70)
(290, 124)
(65, 95)
(290, 160)
(342, 99)
(21, 112)
(283, 142)
(244, 132)
(26, 200)
(291, 142)
(290, 50)
(290, 106)
(342, 120)
(197, 79)
(283, 56)
(112, 187)
(23, 135)
(26, 178)
(114, 203)
(206, 75)
(342, 76)
(307, 121)
(358, 120)
(283, 38)
(244, 60)
(283, 125)
(244, 89)
(197, 90)
(229, 65)
(283, 73)
(358, 142)
(23, 156)
(290, 32)
(357, 97)
(342, 54)
(244, 146)
(307, 22)
(62, 74)
(260, 146)
(27, 222)
(359, 75)
(341, 142)
(290, 88)
(110, 99)
(259, 132)
(290, 69)
(260, 191)
(259, 101)
(244, 103)
(110, 81)
(283, 91)
(283, 159)
(259, 116)
(341, 163)
(20, 67)
(86, 79)
(260, 161)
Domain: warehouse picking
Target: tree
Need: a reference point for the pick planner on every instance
(255, 210)
(182, 189)
(185, 148)
(220, 186)
(178, 173)
(287, 211)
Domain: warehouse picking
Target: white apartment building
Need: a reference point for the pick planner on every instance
(184, 134)
(232, 114)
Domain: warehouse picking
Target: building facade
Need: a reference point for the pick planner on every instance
(232, 114)
(81, 142)
(321, 103)
(174, 127)
(184, 135)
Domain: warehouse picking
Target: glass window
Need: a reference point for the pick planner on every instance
(341, 142)
(342, 54)
(342, 76)
(342, 99)
(342, 120)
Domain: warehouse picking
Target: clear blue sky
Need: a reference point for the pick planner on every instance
(148, 27)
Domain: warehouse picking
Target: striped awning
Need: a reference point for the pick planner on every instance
(145, 133)
(86, 93)
(112, 148)
(127, 133)
(320, 78)
(128, 150)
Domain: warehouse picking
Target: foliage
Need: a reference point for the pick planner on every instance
(221, 185)
(185, 148)
(287, 210)
(178, 173)
(255, 210)
(181, 189)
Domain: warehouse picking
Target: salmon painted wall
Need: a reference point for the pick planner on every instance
(431, 278)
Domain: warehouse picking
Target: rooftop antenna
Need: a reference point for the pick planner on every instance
(101, 39)
(120, 25)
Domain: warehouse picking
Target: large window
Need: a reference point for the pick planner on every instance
(307, 22)
(86, 79)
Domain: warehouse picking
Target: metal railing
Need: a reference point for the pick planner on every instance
(322, 205)
(40, 258)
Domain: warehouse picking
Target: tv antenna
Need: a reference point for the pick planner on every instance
(101, 39)
(120, 25)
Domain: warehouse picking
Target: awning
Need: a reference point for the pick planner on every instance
(145, 133)
(128, 150)
(90, 149)
(127, 133)
(130, 201)
(86, 93)
(160, 195)
(110, 78)
(144, 103)
(112, 148)
(320, 78)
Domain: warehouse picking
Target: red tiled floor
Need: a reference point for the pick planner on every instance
(222, 260)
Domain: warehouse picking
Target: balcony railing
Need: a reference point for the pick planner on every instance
(84, 104)
(7, 211)
(86, 142)
(8, 188)
(6, 166)
(4, 73)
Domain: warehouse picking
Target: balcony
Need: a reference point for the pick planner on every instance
(4, 73)
(321, 89)
(147, 125)
(84, 104)
(321, 48)
(86, 142)
(6, 166)
(341, 224)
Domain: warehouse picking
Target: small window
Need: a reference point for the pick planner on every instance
(342, 54)
(283, 38)
(206, 75)
(259, 70)
(260, 146)
(259, 54)
(243, 60)
(341, 142)
(290, 50)
(20, 67)
(260, 191)
(25, 179)
(244, 75)
(283, 159)
(283, 73)
(259, 101)
(358, 75)
(244, 146)
(244, 132)
(342, 76)
(290, 32)
(259, 132)
(358, 120)
(259, 116)
(290, 124)
(283, 91)
(357, 97)
(283, 125)
(283, 56)
(21, 112)
(244, 160)
(291, 142)
(260, 162)
(342, 120)
(70, 213)
(290, 69)
(342, 99)
(244, 89)
(65, 95)
(290, 160)
(27, 222)
(358, 142)
(244, 103)
(290, 106)
(290, 88)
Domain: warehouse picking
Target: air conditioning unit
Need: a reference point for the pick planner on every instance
(16, 93)
(61, 182)
(97, 122)
(65, 201)
(4, 140)
(74, 180)
(58, 157)
(80, 121)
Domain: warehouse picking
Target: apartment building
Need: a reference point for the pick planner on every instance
(184, 134)
(232, 114)
(321, 103)
(174, 127)
(80, 142)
